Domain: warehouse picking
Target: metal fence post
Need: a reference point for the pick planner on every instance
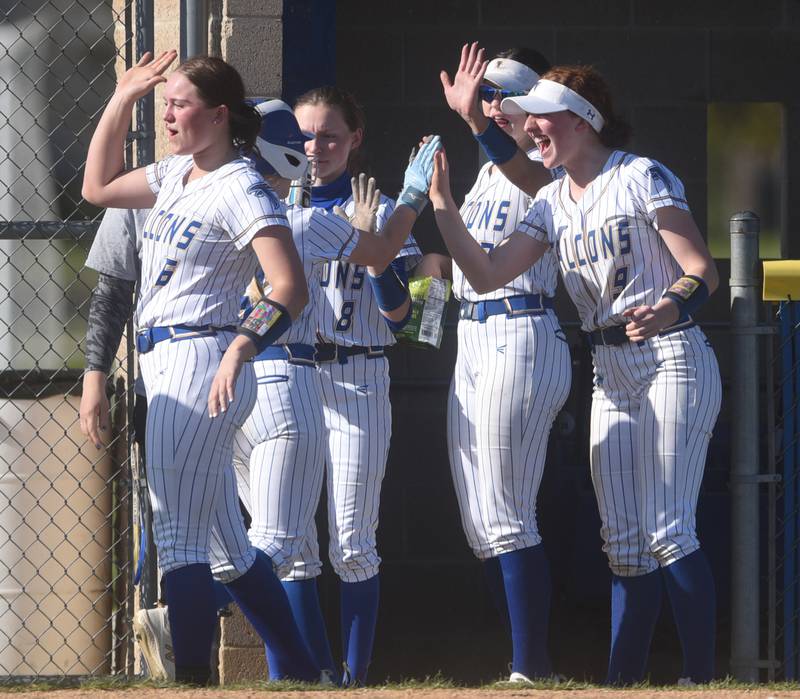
(744, 285)
(194, 28)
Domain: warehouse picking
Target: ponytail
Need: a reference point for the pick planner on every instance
(245, 123)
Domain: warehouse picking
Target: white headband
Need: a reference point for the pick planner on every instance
(548, 96)
(510, 74)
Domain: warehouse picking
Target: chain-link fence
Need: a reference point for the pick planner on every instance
(66, 508)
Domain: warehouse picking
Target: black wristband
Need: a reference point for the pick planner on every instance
(689, 293)
(265, 323)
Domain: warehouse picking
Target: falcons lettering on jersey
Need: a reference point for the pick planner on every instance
(487, 214)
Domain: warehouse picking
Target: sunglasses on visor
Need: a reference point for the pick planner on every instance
(489, 94)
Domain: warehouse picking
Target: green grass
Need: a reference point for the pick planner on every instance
(437, 681)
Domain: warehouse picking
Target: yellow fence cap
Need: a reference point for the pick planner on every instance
(781, 280)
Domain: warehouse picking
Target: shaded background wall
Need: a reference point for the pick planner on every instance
(666, 63)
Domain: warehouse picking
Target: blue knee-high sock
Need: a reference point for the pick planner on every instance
(690, 586)
(222, 598)
(304, 601)
(359, 616)
(493, 575)
(192, 621)
(262, 599)
(635, 605)
(526, 577)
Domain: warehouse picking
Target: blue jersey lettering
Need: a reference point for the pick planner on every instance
(502, 215)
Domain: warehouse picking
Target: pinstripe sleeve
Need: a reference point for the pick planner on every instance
(535, 223)
(328, 236)
(653, 186)
(247, 205)
(155, 172)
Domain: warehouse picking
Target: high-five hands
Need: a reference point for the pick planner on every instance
(462, 92)
(366, 201)
(418, 175)
(440, 192)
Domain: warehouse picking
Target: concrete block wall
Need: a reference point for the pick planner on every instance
(241, 651)
(252, 41)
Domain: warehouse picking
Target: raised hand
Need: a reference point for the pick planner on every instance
(418, 175)
(440, 193)
(139, 80)
(462, 92)
(366, 200)
(420, 170)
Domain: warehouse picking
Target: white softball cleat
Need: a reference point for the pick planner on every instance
(151, 630)
(326, 678)
(519, 678)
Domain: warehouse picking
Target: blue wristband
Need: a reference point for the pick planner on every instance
(497, 144)
(266, 323)
(389, 291)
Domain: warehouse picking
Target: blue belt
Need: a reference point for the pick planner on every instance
(294, 353)
(511, 306)
(615, 335)
(148, 338)
(330, 352)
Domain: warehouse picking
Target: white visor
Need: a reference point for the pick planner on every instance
(548, 96)
(511, 75)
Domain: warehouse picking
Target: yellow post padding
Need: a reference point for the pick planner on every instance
(782, 280)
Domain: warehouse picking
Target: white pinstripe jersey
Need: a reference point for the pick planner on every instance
(348, 314)
(608, 246)
(196, 257)
(319, 236)
(491, 211)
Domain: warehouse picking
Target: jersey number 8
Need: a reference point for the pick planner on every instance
(345, 317)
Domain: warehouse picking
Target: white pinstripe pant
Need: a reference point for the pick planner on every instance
(358, 423)
(653, 409)
(190, 478)
(512, 377)
(278, 455)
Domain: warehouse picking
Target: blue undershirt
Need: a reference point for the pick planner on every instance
(336, 193)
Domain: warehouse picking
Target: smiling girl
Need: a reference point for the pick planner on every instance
(512, 376)
(637, 269)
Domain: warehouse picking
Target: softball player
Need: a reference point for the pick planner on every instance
(114, 255)
(512, 376)
(279, 453)
(210, 211)
(637, 268)
(359, 308)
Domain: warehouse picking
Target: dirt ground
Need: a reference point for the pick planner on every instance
(415, 693)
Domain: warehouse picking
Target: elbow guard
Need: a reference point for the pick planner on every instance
(266, 323)
(689, 293)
